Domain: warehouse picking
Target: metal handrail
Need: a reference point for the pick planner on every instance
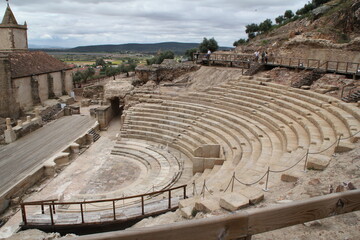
(51, 204)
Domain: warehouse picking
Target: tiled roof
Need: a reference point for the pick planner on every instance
(25, 64)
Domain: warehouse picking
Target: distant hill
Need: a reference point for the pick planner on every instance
(175, 47)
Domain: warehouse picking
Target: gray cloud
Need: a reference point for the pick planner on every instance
(82, 22)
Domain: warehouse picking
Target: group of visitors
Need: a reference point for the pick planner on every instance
(264, 56)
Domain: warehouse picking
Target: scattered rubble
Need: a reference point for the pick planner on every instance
(168, 70)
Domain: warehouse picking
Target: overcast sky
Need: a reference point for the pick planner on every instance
(70, 23)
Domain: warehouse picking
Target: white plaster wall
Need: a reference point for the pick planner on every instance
(20, 38)
(57, 83)
(68, 81)
(43, 87)
(5, 43)
(22, 91)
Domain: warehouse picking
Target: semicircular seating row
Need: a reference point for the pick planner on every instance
(257, 124)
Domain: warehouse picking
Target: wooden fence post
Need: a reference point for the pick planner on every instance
(114, 210)
(142, 206)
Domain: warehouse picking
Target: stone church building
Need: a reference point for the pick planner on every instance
(27, 78)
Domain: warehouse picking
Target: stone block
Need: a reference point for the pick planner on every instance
(207, 205)
(254, 195)
(318, 162)
(344, 147)
(10, 136)
(75, 148)
(188, 202)
(306, 87)
(208, 151)
(186, 212)
(290, 176)
(85, 102)
(233, 201)
(62, 159)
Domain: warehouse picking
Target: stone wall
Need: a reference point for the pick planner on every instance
(68, 82)
(8, 107)
(5, 42)
(104, 116)
(30, 91)
(13, 38)
(23, 92)
(322, 50)
(168, 70)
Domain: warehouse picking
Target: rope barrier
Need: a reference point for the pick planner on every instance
(231, 180)
(351, 136)
(278, 171)
(325, 149)
(249, 184)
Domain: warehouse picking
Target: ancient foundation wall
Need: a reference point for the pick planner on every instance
(104, 116)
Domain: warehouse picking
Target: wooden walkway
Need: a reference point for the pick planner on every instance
(312, 64)
(246, 60)
(85, 216)
(27, 154)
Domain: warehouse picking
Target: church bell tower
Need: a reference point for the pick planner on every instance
(13, 37)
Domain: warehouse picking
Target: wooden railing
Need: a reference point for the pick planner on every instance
(244, 224)
(53, 204)
(335, 66)
(242, 60)
(246, 59)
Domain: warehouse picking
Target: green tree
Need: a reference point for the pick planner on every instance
(159, 58)
(112, 71)
(78, 77)
(190, 53)
(252, 29)
(307, 8)
(288, 14)
(280, 19)
(88, 73)
(100, 62)
(251, 35)
(239, 42)
(317, 3)
(265, 26)
(208, 44)
(83, 76)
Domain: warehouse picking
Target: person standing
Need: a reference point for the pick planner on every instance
(256, 53)
(208, 54)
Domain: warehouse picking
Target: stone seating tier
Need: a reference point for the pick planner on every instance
(267, 156)
(220, 134)
(272, 126)
(348, 113)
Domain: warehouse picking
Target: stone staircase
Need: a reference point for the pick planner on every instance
(308, 79)
(354, 97)
(255, 67)
(94, 134)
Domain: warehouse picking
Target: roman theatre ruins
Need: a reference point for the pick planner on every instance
(226, 144)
